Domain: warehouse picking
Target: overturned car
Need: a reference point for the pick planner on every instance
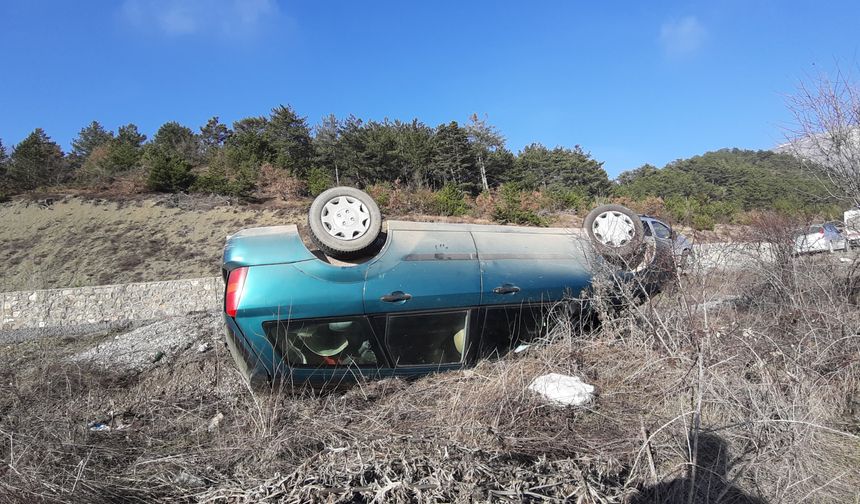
(417, 297)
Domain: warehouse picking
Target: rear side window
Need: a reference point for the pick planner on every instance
(505, 328)
(427, 338)
(647, 226)
(662, 231)
(325, 343)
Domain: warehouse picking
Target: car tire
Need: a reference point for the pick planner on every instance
(617, 234)
(345, 223)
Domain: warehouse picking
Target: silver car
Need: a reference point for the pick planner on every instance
(819, 238)
(682, 247)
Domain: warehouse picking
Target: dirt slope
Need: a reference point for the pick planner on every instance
(75, 242)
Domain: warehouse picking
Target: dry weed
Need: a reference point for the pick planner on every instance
(728, 388)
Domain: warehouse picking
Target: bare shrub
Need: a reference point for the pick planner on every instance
(278, 183)
(826, 132)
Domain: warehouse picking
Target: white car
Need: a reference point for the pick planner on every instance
(819, 238)
(852, 226)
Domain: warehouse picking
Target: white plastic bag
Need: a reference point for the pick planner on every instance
(562, 390)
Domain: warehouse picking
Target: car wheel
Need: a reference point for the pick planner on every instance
(345, 222)
(616, 233)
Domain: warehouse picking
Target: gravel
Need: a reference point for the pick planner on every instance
(155, 344)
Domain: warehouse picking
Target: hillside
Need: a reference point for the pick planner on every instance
(74, 241)
(731, 180)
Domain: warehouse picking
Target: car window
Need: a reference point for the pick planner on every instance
(647, 226)
(661, 230)
(428, 338)
(815, 230)
(505, 328)
(321, 343)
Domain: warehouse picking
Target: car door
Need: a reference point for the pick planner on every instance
(326, 351)
(424, 270)
(289, 292)
(542, 266)
(835, 237)
(418, 343)
(646, 225)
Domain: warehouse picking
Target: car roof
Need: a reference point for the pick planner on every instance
(472, 228)
(282, 244)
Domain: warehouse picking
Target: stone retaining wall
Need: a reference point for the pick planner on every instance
(108, 305)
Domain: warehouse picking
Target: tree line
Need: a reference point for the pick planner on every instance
(223, 159)
(454, 161)
(716, 186)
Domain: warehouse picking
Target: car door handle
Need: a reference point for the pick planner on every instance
(396, 297)
(506, 289)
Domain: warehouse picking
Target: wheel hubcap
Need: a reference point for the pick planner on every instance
(613, 229)
(345, 218)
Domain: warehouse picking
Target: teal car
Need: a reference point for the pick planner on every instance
(422, 297)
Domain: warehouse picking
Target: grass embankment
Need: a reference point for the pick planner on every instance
(74, 242)
(751, 401)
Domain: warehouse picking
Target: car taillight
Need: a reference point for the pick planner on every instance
(821, 231)
(235, 289)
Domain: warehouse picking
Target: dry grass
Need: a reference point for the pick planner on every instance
(754, 400)
(74, 242)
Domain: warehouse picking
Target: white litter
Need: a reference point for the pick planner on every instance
(844, 259)
(562, 390)
(204, 347)
(216, 420)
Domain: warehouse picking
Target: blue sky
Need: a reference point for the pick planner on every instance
(633, 83)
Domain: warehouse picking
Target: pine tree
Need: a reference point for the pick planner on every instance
(453, 159)
(328, 147)
(4, 158)
(36, 161)
(213, 135)
(485, 140)
(168, 172)
(289, 135)
(129, 135)
(88, 139)
(176, 139)
(4, 161)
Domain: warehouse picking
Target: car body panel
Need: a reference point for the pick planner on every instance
(680, 243)
(265, 245)
(284, 292)
(851, 219)
(436, 269)
(531, 267)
